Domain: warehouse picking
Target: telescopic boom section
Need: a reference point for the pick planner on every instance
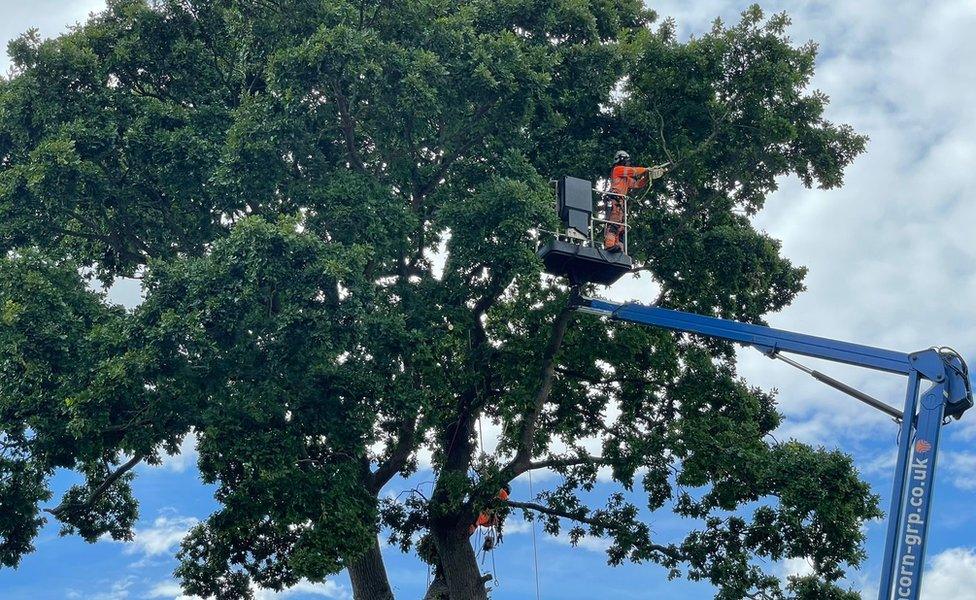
(925, 412)
(766, 339)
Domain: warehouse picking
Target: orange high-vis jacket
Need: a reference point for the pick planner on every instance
(624, 178)
(487, 520)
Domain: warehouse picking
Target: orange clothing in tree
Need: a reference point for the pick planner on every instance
(623, 179)
(487, 518)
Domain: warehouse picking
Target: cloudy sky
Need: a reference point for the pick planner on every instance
(891, 264)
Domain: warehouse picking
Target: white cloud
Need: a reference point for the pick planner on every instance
(951, 574)
(50, 17)
(118, 590)
(961, 468)
(167, 589)
(162, 537)
(514, 526)
(962, 431)
(890, 255)
(587, 542)
(127, 292)
(170, 590)
(325, 589)
(796, 567)
(881, 465)
(185, 458)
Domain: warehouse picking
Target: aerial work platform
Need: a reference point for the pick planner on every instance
(939, 389)
(577, 254)
(584, 263)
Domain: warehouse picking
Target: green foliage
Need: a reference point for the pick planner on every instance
(731, 112)
(54, 333)
(331, 206)
(809, 588)
(282, 393)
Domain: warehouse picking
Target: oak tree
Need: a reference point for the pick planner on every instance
(331, 205)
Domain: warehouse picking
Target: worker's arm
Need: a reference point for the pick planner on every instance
(641, 175)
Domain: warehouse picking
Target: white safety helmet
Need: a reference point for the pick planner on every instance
(620, 157)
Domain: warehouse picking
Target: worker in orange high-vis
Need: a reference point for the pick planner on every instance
(488, 518)
(623, 179)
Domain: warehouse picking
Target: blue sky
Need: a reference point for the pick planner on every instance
(891, 264)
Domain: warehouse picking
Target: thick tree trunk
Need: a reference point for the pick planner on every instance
(459, 563)
(368, 576)
(437, 589)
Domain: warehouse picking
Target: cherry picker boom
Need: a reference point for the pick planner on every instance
(948, 395)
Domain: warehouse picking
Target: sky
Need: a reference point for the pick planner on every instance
(890, 264)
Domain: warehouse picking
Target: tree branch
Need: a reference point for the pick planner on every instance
(447, 160)
(566, 462)
(584, 377)
(455, 435)
(101, 489)
(81, 234)
(664, 142)
(348, 129)
(398, 456)
(523, 456)
(581, 517)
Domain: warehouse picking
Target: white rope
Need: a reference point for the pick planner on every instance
(535, 550)
(481, 438)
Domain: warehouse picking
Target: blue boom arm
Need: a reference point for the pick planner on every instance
(948, 394)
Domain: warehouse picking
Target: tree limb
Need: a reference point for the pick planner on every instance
(581, 517)
(664, 142)
(58, 510)
(454, 436)
(81, 234)
(584, 377)
(398, 456)
(523, 456)
(566, 462)
(447, 160)
(348, 129)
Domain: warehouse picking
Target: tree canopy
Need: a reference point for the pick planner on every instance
(331, 205)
